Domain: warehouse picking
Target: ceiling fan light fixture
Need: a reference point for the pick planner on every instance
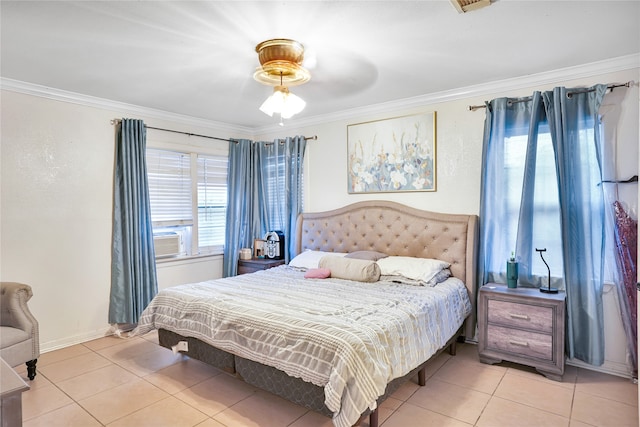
(280, 66)
(282, 102)
(281, 59)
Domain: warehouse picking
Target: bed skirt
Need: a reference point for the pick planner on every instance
(278, 382)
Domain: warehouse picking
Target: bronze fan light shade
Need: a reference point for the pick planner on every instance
(280, 63)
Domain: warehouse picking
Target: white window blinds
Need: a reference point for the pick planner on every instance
(212, 201)
(188, 194)
(169, 175)
(276, 190)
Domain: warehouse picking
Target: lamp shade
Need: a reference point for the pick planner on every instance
(283, 102)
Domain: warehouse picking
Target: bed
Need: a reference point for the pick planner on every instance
(338, 351)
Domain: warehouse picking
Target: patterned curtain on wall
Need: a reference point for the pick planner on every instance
(264, 193)
(242, 201)
(280, 180)
(574, 123)
(515, 169)
(133, 264)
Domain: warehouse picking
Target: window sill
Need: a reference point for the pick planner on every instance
(188, 259)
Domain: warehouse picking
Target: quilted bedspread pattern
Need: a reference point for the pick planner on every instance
(351, 338)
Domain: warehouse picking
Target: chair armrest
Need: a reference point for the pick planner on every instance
(14, 311)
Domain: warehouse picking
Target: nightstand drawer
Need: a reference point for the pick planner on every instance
(522, 325)
(524, 316)
(246, 266)
(529, 344)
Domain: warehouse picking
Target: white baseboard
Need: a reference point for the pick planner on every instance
(608, 367)
(76, 339)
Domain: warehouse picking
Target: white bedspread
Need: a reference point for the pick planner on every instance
(351, 338)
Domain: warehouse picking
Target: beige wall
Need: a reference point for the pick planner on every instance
(56, 189)
(56, 206)
(459, 148)
(459, 154)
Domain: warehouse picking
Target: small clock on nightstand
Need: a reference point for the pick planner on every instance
(522, 325)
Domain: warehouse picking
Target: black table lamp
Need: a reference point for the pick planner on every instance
(548, 289)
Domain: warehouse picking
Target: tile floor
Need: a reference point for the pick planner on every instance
(134, 382)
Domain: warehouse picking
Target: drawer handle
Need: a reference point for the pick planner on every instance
(519, 316)
(519, 343)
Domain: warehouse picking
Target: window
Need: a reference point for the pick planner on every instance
(274, 174)
(188, 195)
(546, 217)
(212, 202)
(277, 189)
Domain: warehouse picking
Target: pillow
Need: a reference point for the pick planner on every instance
(423, 269)
(438, 278)
(317, 273)
(360, 270)
(368, 255)
(310, 259)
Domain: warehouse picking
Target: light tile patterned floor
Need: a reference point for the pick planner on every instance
(116, 382)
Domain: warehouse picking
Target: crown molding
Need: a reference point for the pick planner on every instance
(622, 63)
(120, 107)
(577, 72)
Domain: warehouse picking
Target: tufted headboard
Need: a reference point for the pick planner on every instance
(400, 230)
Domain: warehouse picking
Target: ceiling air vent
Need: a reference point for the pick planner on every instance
(463, 6)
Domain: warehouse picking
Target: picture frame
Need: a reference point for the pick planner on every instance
(392, 155)
(258, 248)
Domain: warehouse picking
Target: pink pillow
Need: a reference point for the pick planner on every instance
(317, 273)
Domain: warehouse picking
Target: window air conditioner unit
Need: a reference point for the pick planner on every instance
(166, 244)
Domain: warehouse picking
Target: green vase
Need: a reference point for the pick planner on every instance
(512, 274)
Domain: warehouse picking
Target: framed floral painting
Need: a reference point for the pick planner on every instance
(397, 154)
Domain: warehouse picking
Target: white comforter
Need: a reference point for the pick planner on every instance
(351, 338)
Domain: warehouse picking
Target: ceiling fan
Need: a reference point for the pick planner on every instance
(281, 67)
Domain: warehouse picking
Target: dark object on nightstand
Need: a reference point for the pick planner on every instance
(523, 326)
(274, 246)
(256, 264)
(548, 289)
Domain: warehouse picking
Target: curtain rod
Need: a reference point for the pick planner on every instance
(307, 138)
(188, 133)
(282, 140)
(634, 178)
(116, 121)
(611, 87)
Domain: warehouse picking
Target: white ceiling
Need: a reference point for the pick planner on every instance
(198, 58)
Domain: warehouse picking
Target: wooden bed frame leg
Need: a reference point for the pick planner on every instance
(373, 418)
(422, 376)
(452, 348)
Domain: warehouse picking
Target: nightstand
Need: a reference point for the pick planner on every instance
(522, 325)
(255, 264)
